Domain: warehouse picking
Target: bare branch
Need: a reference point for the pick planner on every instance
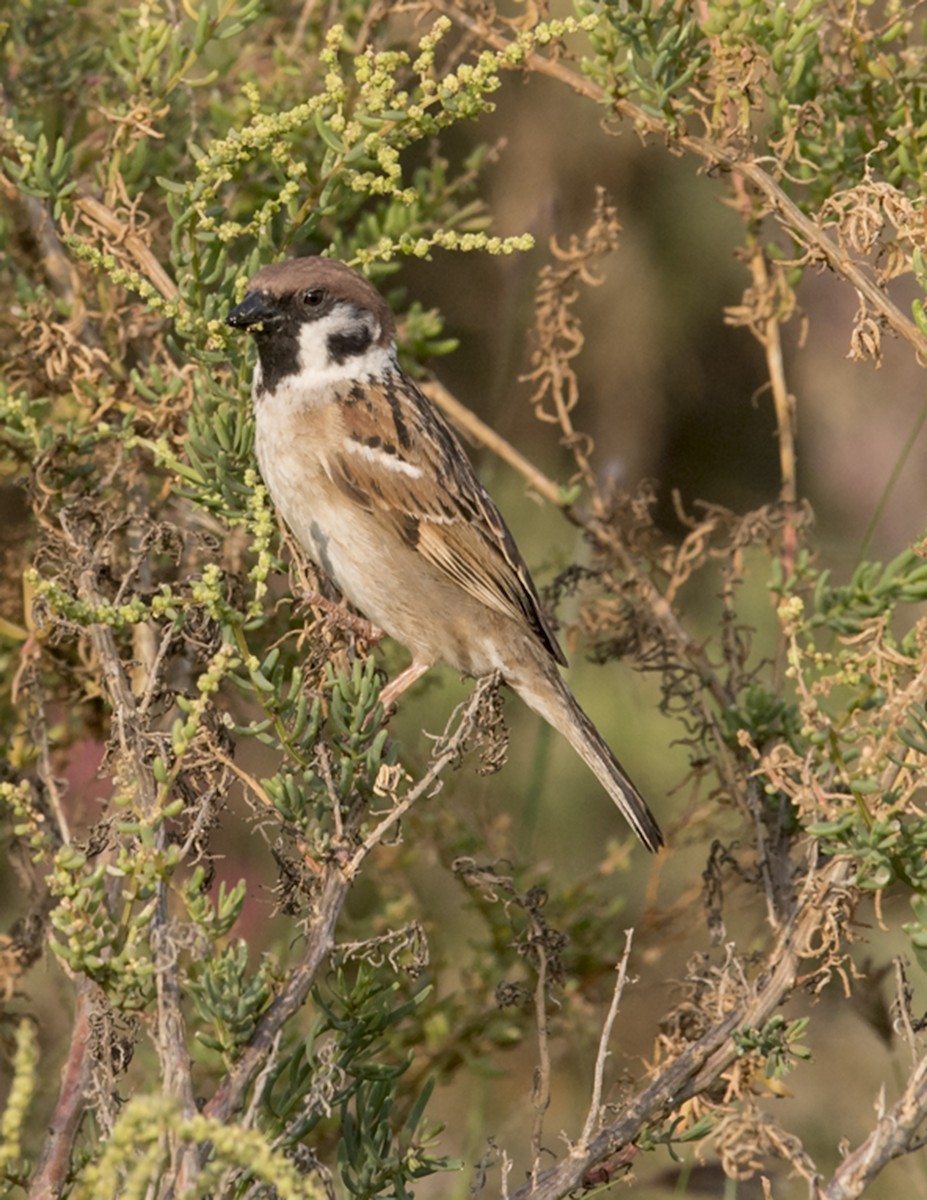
(336, 881)
(54, 1163)
(448, 750)
(702, 1064)
(230, 1094)
(898, 1132)
(171, 1040)
(147, 263)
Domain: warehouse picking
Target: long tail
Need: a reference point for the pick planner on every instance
(557, 705)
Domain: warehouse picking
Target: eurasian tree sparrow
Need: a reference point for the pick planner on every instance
(377, 489)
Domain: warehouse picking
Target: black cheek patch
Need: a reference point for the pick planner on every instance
(342, 346)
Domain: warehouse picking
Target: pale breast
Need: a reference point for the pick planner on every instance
(376, 571)
(340, 537)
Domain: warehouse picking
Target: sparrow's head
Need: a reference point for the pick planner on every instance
(316, 318)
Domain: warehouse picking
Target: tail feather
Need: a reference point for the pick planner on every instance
(557, 705)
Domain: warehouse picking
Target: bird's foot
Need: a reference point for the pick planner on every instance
(343, 618)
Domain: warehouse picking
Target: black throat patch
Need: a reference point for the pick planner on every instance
(279, 355)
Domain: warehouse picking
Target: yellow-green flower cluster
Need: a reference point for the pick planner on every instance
(132, 1159)
(262, 527)
(445, 239)
(19, 1098)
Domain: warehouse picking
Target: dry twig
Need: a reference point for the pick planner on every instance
(695, 1069)
(899, 1131)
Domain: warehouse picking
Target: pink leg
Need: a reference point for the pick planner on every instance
(403, 680)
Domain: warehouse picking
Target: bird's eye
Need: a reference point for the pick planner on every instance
(313, 297)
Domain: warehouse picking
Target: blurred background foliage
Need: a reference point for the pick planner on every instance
(696, 232)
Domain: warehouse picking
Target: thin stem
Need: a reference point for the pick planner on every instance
(894, 475)
(170, 1036)
(595, 1105)
(769, 334)
(541, 1090)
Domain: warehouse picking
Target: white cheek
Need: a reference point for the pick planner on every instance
(318, 369)
(313, 343)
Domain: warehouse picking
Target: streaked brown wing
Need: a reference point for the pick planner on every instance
(401, 459)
